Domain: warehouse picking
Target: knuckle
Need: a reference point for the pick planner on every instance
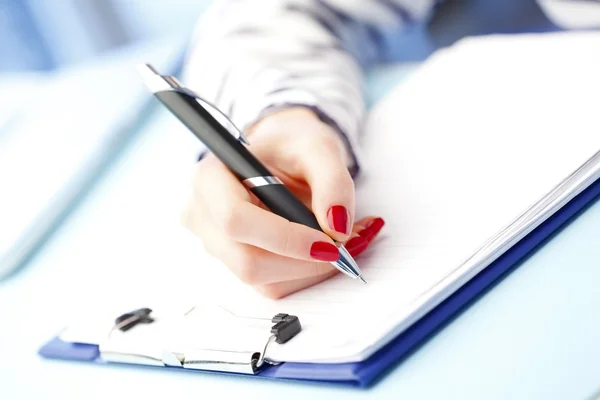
(346, 178)
(273, 291)
(331, 143)
(342, 176)
(284, 239)
(231, 221)
(341, 182)
(210, 247)
(246, 268)
(190, 218)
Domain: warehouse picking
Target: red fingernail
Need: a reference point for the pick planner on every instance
(338, 217)
(356, 245)
(324, 251)
(372, 229)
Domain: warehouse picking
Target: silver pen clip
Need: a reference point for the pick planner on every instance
(160, 83)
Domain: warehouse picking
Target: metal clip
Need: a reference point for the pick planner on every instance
(243, 362)
(240, 362)
(128, 320)
(160, 83)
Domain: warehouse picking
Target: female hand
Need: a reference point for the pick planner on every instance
(274, 255)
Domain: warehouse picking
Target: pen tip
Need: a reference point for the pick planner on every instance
(362, 279)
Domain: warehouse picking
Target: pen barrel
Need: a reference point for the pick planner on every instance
(242, 163)
(214, 136)
(282, 202)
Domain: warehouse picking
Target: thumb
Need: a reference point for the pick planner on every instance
(331, 185)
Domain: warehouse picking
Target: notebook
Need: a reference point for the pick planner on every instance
(473, 161)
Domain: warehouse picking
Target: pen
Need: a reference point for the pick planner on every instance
(226, 142)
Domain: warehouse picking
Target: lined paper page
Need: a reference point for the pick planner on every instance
(480, 133)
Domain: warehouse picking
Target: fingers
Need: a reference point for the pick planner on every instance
(363, 233)
(356, 244)
(258, 267)
(249, 224)
(244, 222)
(282, 289)
(274, 255)
(255, 266)
(367, 227)
(331, 186)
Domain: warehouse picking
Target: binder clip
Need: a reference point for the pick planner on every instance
(285, 327)
(128, 320)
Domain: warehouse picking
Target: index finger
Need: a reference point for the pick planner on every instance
(230, 205)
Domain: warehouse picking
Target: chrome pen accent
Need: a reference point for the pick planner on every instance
(347, 265)
(261, 181)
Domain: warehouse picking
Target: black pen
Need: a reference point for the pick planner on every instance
(226, 142)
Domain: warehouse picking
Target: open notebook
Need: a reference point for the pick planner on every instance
(485, 142)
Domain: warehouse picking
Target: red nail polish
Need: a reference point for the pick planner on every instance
(338, 217)
(324, 251)
(356, 245)
(372, 229)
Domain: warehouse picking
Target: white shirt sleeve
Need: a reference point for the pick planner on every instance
(250, 57)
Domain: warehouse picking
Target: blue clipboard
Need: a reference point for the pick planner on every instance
(367, 372)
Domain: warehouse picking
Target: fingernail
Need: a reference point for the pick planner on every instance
(324, 251)
(372, 229)
(356, 245)
(338, 217)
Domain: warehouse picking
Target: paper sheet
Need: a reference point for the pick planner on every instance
(480, 133)
(483, 131)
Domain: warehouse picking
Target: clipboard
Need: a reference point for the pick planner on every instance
(367, 372)
(560, 205)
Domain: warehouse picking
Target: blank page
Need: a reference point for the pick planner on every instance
(479, 134)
